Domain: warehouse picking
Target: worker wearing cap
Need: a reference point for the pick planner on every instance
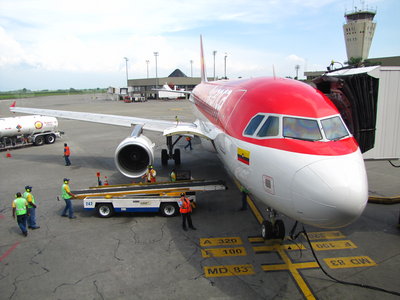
(67, 196)
(20, 209)
(31, 207)
(186, 210)
(150, 174)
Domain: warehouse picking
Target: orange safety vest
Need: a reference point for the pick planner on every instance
(66, 151)
(186, 206)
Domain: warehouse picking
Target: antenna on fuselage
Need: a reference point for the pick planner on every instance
(202, 62)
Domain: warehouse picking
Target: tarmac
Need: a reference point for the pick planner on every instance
(147, 256)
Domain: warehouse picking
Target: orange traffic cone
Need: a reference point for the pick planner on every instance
(105, 180)
(8, 154)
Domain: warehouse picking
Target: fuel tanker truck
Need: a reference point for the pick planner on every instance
(27, 130)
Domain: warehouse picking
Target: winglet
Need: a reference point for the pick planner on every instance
(13, 104)
(203, 65)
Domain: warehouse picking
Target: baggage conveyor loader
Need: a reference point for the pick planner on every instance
(143, 197)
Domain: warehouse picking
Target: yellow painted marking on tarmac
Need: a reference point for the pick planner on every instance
(221, 241)
(253, 207)
(254, 240)
(230, 270)
(177, 109)
(282, 267)
(277, 247)
(349, 262)
(221, 252)
(255, 210)
(296, 275)
(325, 235)
(333, 245)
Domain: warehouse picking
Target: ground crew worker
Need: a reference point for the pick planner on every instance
(31, 207)
(186, 210)
(189, 144)
(173, 175)
(245, 192)
(20, 208)
(150, 174)
(67, 153)
(67, 196)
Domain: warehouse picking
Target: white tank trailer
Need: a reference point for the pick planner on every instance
(25, 130)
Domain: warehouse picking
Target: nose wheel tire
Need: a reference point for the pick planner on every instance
(267, 231)
(279, 229)
(276, 231)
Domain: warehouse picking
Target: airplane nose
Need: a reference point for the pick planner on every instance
(332, 192)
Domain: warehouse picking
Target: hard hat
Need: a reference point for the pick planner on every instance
(182, 194)
(28, 187)
(66, 179)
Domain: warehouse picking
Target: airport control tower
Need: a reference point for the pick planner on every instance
(358, 32)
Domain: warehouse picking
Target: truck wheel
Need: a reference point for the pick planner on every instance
(169, 209)
(177, 156)
(39, 140)
(105, 210)
(50, 138)
(164, 157)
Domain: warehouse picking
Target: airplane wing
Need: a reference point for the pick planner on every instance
(164, 126)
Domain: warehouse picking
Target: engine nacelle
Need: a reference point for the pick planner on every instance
(133, 155)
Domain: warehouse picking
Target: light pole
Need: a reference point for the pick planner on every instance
(214, 52)
(297, 67)
(225, 64)
(155, 55)
(147, 63)
(126, 68)
(191, 68)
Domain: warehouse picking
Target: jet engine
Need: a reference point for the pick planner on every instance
(133, 155)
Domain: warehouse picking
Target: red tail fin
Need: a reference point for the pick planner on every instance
(13, 104)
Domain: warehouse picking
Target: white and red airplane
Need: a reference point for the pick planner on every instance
(280, 138)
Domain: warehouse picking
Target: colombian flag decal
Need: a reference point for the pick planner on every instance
(243, 156)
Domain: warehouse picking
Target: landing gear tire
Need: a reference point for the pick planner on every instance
(169, 209)
(164, 157)
(105, 210)
(177, 156)
(267, 230)
(279, 229)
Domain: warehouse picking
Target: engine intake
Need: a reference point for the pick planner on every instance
(133, 155)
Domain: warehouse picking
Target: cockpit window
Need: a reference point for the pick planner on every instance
(269, 128)
(253, 125)
(334, 128)
(303, 129)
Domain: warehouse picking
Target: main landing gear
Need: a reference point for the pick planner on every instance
(272, 228)
(170, 153)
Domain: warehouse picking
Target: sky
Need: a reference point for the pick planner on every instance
(48, 44)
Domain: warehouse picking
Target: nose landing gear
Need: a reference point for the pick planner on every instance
(273, 228)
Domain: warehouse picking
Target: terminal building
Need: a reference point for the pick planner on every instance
(145, 86)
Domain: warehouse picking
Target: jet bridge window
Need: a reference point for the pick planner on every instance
(302, 129)
(253, 125)
(269, 128)
(334, 128)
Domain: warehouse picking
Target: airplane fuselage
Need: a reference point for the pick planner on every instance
(287, 144)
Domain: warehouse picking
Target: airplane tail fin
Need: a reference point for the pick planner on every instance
(203, 65)
(13, 104)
